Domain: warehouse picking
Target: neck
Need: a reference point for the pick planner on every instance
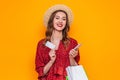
(56, 35)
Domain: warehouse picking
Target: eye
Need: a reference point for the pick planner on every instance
(64, 19)
(56, 18)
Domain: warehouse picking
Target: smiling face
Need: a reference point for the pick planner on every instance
(59, 21)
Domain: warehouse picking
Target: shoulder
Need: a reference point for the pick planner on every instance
(72, 40)
(41, 42)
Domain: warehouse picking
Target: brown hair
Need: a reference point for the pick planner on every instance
(50, 29)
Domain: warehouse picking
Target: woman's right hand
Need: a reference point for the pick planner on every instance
(50, 63)
(52, 55)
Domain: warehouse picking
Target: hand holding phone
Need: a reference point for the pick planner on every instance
(76, 48)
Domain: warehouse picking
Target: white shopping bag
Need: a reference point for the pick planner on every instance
(76, 73)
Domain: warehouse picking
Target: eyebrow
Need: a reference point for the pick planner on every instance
(59, 16)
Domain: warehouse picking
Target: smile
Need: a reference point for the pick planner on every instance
(59, 25)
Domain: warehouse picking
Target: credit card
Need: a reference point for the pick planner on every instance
(50, 45)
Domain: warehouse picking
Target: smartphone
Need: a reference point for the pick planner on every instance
(76, 47)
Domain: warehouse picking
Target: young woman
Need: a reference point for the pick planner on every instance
(51, 63)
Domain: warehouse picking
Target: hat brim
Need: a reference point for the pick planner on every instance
(58, 7)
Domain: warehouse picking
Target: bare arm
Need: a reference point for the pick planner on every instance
(47, 67)
(72, 61)
(50, 63)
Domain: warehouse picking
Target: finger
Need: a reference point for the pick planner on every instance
(75, 50)
(72, 54)
(53, 55)
(71, 51)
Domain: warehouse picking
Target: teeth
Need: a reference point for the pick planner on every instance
(60, 25)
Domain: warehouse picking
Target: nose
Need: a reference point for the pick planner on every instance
(60, 21)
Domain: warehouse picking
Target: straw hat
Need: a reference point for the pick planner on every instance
(58, 7)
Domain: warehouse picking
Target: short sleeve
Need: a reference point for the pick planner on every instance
(39, 61)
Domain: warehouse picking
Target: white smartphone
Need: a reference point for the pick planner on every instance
(76, 47)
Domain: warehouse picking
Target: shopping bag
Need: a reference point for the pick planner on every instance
(76, 73)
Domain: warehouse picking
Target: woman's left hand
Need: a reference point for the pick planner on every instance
(73, 53)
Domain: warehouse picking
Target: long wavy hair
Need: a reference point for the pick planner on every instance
(50, 29)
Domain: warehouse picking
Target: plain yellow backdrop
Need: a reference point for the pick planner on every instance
(96, 25)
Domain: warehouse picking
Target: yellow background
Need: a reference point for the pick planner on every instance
(96, 25)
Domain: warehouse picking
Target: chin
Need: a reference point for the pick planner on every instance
(59, 30)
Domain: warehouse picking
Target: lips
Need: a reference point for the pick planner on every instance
(59, 25)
